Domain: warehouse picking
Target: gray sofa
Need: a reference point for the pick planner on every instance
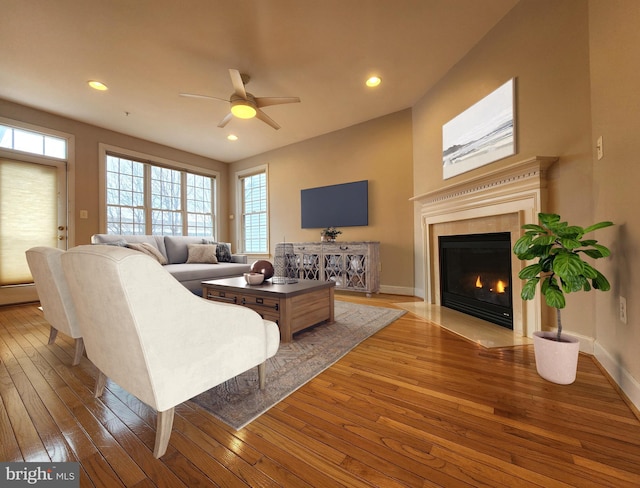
(175, 250)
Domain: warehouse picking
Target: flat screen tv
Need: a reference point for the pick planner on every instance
(344, 205)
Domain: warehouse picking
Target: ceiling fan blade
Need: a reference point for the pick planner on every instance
(238, 85)
(266, 119)
(225, 120)
(207, 97)
(266, 101)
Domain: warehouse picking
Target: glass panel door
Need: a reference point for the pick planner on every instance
(32, 213)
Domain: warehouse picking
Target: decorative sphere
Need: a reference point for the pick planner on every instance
(264, 267)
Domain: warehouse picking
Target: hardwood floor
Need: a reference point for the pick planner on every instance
(413, 405)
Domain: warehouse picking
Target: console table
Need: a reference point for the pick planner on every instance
(353, 266)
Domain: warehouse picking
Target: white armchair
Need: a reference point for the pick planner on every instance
(53, 292)
(156, 339)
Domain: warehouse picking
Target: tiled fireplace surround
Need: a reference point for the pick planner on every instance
(498, 201)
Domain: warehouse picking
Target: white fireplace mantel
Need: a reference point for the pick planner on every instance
(502, 200)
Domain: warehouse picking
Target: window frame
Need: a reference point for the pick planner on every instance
(240, 176)
(109, 150)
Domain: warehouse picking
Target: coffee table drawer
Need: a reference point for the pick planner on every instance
(260, 302)
(267, 314)
(222, 296)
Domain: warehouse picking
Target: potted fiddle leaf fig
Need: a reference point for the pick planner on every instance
(558, 248)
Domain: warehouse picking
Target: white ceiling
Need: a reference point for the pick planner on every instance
(149, 51)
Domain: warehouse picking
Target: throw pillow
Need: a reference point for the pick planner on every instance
(149, 250)
(202, 253)
(154, 252)
(223, 250)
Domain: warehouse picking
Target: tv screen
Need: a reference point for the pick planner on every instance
(344, 205)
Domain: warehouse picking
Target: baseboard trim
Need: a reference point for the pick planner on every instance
(397, 290)
(627, 383)
(586, 342)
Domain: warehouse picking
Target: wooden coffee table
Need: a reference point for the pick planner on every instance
(293, 306)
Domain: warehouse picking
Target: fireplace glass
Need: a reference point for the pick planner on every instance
(475, 276)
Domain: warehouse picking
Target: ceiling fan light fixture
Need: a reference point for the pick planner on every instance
(243, 109)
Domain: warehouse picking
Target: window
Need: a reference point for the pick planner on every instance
(33, 142)
(199, 198)
(253, 209)
(166, 202)
(146, 198)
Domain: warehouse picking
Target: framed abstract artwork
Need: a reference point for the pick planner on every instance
(482, 134)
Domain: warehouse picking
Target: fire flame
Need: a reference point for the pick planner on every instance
(478, 283)
(500, 287)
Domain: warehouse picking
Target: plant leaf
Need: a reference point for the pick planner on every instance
(534, 227)
(548, 219)
(567, 265)
(571, 232)
(589, 271)
(573, 283)
(543, 240)
(603, 250)
(547, 263)
(530, 271)
(600, 282)
(554, 297)
(529, 289)
(570, 243)
(522, 245)
(599, 225)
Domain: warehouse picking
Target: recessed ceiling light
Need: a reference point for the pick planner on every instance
(232, 137)
(97, 85)
(373, 81)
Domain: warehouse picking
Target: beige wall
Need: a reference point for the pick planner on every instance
(380, 151)
(615, 102)
(87, 138)
(577, 79)
(544, 45)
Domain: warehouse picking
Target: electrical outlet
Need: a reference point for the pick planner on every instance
(623, 310)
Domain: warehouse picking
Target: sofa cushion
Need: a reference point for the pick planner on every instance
(202, 253)
(177, 251)
(198, 272)
(116, 239)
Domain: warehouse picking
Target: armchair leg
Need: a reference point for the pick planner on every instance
(53, 333)
(79, 350)
(101, 381)
(164, 424)
(262, 374)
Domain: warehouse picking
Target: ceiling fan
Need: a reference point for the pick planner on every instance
(243, 104)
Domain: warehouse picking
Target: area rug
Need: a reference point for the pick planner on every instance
(239, 400)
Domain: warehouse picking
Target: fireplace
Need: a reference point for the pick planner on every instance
(502, 199)
(475, 275)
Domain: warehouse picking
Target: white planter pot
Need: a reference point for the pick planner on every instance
(556, 361)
